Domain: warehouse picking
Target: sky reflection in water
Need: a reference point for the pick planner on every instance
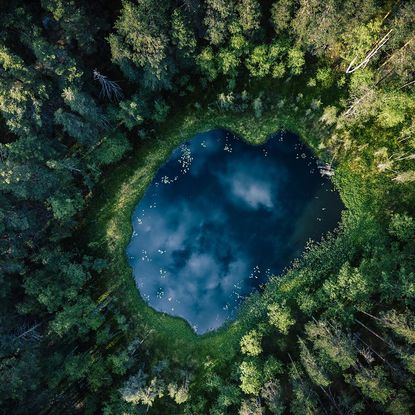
(220, 217)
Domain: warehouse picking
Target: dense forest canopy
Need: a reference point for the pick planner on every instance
(93, 96)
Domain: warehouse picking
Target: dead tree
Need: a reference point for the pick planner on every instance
(369, 56)
(325, 169)
(28, 332)
(109, 89)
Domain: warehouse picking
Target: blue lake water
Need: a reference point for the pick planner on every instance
(220, 217)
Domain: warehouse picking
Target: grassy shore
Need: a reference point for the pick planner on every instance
(107, 227)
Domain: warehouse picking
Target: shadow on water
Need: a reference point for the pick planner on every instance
(220, 217)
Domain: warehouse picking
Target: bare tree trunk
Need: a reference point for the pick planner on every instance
(375, 334)
(30, 331)
(407, 84)
(370, 55)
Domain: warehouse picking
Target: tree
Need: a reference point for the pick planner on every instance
(228, 62)
(83, 105)
(182, 35)
(304, 400)
(318, 26)
(111, 150)
(403, 324)
(279, 316)
(207, 63)
(346, 292)
(180, 394)
(272, 368)
(329, 116)
(405, 177)
(325, 77)
(130, 112)
(219, 14)
(73, 18)
(401, 404)
(281, 14)
(20, 95)
(251, 343)
(140, 45)
(265, 60)
(133, 387)
(251, 407)
(331, 342)
(249, 15)
(229, 395)
(160, 110)
(373, 383)
(295, 61)
(79, 317)
(316, 373)
(72, 124)
(250, 377)
(393, 108)
(402, 226)
(63, 206)
(272, 394)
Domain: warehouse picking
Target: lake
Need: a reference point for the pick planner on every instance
(220, 217)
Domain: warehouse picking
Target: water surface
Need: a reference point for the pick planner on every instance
(220, 217)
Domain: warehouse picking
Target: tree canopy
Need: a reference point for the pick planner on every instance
(90, 88)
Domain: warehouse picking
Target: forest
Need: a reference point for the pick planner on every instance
(95, 95)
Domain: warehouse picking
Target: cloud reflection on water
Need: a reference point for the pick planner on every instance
(206, 239)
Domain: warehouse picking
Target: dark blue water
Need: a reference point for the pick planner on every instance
(220, 217)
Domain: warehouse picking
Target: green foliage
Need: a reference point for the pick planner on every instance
(304, 401)
(251, 407)
(329, 115)
(130, 113)
(207, 64)
(180, 394)
(272, 368)
(228, 61)
(258, 107)
(311, 365)
(251, 343)
(373, 383)
(402, 226)
(64, 207)
(249, 15)
(333, 334)
(268, 60)
(81, 317)
(393, 108)
(161, 110)
(281, 14)
(250, 377)
(219, 14)
(325, 77)
(403, 324)
(280, 317)
(295, 61)
(112, 149)
(182, 37)
(140, 44)
(272, 394)
(73, 19)
(330, 341)
(347, 291)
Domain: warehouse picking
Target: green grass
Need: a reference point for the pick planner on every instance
(107, 227)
